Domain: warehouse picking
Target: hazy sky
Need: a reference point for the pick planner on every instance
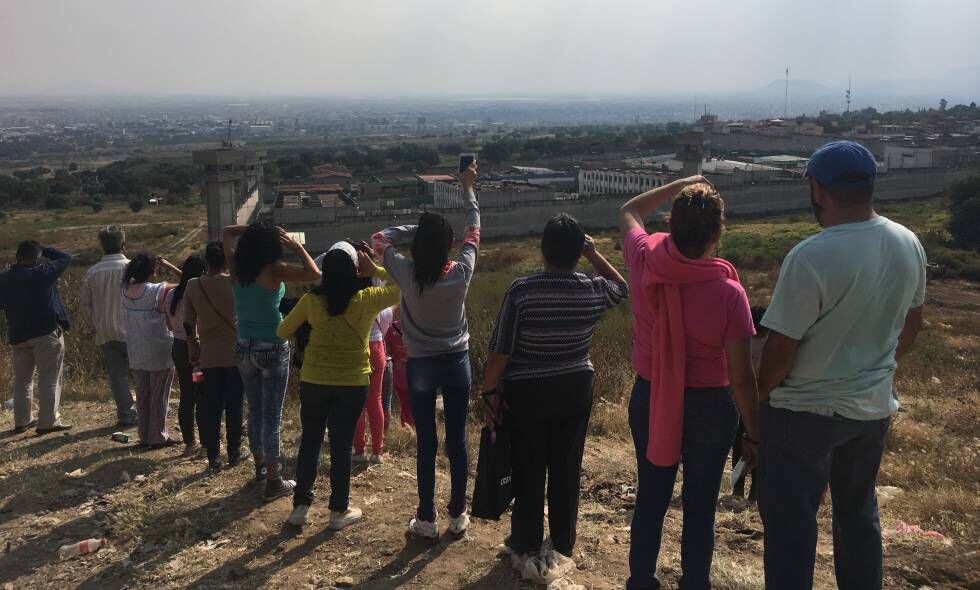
(490, 47)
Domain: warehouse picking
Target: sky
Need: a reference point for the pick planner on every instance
(478, 48)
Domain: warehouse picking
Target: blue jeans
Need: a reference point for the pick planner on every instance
(449, 373)
(799, 454)
(264, 367)
(710, 421)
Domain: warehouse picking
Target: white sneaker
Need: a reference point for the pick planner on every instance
(458, 525)
(423, 528)
(299, 516)
(535, 570)
(360, 458)
(558, 565)
(516, 559)
(342, 520)
(377, 459)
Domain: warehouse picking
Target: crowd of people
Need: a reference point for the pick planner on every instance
(804, 389)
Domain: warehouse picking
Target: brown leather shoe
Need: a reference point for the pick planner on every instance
(20, 429)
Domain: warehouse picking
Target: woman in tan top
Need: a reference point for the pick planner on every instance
(209, 320)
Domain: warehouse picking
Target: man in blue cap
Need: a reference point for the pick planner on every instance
(847, 306)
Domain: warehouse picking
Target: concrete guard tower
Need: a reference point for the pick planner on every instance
(232, 181)
(694, 149)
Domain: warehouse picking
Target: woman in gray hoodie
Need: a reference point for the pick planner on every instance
(436, 334)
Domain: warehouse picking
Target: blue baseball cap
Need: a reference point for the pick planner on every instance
(842, 163)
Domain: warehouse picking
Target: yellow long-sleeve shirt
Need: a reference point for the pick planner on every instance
(338, 352)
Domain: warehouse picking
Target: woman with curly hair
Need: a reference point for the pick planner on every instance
(260, 273)
(692, 331)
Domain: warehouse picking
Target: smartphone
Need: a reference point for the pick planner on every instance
(465, 160)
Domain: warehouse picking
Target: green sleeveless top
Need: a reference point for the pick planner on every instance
(258, 312)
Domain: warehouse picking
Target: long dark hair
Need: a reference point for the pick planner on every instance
(192, 268)
(339, 282)
(140, 269)
(258, 247)
(430, 249)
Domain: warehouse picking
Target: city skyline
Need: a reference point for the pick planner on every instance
(500, 50)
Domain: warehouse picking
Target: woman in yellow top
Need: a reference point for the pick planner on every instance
(336, 373)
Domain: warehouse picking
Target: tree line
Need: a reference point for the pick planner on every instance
(133, 179)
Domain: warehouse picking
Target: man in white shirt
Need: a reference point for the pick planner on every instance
(100, 301)
(847, 306)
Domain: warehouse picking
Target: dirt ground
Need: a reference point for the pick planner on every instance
(171, 525)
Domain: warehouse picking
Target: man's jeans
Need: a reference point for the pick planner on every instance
(333, 409)
(264, 367)
(710, 421)
(450, 374)
(46, 355)
(799, 454)
(116, 361)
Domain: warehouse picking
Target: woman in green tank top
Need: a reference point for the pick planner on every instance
(263, 358)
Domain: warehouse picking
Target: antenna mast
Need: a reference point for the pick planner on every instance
(786, 96)
(848, 95)
(228, 139)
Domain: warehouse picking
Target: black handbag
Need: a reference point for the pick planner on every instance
(493, 491)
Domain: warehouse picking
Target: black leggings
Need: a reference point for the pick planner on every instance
(333, 408)
(190, 412)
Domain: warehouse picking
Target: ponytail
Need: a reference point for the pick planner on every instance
(192, 268)
(140, 269)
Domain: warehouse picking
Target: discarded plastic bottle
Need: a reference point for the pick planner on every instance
(121, 437)
(197, 376)
(80, 548)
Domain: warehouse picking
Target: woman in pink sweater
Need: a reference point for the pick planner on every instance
(691, 351)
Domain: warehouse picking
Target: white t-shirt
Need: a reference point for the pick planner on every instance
(381, 324)
(844, 294)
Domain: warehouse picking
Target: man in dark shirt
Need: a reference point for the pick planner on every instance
(36, 320)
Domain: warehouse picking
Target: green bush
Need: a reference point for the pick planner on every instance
(136, 205)
(964, 210)
(57, 201)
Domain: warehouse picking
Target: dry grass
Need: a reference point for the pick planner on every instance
(730, 574)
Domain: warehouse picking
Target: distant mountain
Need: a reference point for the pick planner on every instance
(797, 88)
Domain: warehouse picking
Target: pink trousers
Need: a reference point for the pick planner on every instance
(372, 407)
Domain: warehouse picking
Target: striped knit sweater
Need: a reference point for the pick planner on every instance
(546, 322)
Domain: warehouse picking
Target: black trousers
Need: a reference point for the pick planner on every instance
(224, 395)
(335, 407)
(548, 418)
(190, 412)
